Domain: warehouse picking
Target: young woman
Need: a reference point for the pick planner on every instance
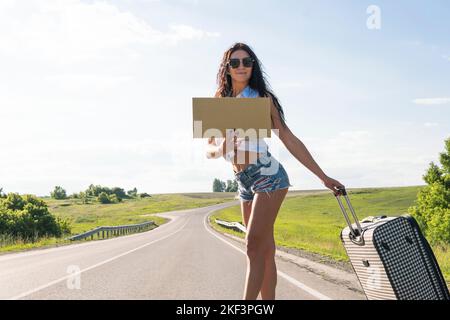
(240, 76)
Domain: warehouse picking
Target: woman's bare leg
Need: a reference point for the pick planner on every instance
(260, 231)
(270, 273)
(246, 210)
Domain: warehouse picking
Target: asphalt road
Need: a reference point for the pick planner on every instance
(182, 259)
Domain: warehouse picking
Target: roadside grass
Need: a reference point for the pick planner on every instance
(313, 222)
(13, 244)
(85, 217)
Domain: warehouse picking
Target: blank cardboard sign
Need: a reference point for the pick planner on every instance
(250, 117)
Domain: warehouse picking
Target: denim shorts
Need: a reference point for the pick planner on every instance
(266, 175)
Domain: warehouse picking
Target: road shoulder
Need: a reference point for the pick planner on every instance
(336, 272)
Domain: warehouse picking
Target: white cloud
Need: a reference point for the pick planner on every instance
(431, 101)
(431, 124)
(72, 31)
(86, 81)
(188, 32)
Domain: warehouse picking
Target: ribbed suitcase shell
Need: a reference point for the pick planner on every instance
(395, 262)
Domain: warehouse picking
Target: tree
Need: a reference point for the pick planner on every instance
(59, 193)
(119, 192)
(132, 193)
(218, 185)
(432, 209)
(28, 217)
(83, 197)
(95, 190)
(232, 186)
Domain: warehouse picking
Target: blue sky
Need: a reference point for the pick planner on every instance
(100, 91)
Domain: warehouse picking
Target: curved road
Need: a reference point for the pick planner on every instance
(182, 259)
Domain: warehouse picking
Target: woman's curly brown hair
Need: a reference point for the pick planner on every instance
(257, 81)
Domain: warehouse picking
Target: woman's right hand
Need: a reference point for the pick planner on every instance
(231, 135)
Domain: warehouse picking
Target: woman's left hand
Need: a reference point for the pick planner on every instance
(333, 185)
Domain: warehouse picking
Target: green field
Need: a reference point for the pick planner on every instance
(309, 221)
(313, 222)
(85, 217)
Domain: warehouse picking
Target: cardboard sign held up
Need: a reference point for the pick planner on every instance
(249, 116)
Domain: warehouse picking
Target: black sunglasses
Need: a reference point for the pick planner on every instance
(247, 62)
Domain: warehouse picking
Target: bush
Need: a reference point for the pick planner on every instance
(144, 195)
(108, 198)
(28, 217)
(103, 198)
(59, 193)
(96, 191)
(432, 209)
(114, 198)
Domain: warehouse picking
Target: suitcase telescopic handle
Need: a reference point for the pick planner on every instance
(344, 212)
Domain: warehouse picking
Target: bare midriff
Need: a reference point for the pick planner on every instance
(249, 156)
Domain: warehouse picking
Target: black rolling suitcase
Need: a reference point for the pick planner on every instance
(391, 257)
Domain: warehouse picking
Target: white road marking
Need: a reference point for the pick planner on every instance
(282, 274)
(93, 266)
(12, 256)
(295, 282)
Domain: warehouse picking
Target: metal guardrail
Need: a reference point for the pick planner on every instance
(113, 231)
(232, 225)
